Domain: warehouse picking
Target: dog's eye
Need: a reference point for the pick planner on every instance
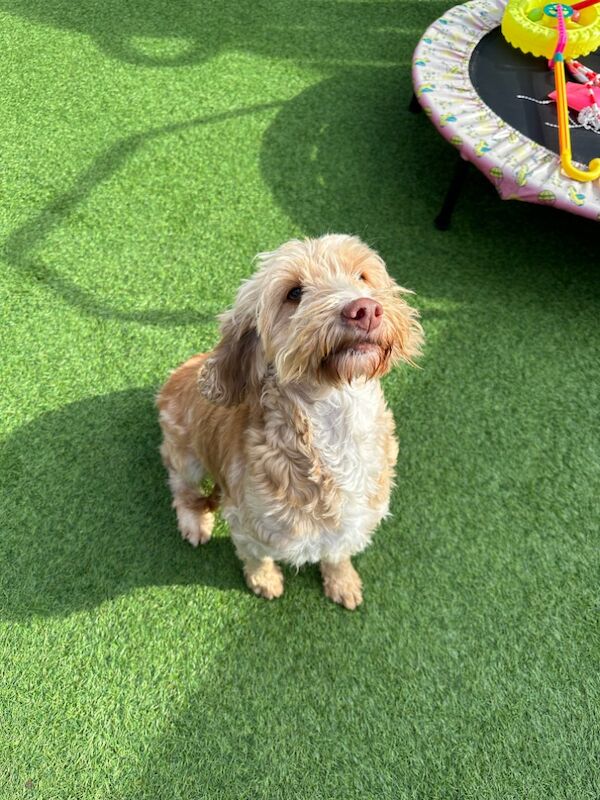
(362, 276)
(295, 294)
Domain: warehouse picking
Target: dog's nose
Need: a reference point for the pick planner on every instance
(365, 313)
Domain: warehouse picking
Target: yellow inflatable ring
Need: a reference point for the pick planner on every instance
(539, 37)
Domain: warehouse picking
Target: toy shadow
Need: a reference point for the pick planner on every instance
(21, 248)
(159, 33)
(86, 512)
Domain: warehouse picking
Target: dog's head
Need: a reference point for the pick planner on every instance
(318, 311)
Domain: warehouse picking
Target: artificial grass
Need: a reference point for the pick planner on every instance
(149, 150)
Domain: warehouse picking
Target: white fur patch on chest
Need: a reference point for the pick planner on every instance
(344, 432)
(345, 435)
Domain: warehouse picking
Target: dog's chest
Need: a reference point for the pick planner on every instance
(348, 433)
(345, 436)
(349, 446)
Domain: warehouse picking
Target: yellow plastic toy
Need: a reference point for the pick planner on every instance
(557, 31)
(527, 26)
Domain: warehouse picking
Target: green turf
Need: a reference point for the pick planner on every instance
(148, 150)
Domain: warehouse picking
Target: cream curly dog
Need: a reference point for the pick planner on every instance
(288, 417)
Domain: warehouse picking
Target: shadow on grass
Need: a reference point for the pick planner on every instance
(347, 155)
(20, 249)
(158, 33)
(86, 512)
(336, 158)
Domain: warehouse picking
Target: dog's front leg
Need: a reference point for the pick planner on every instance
(264, 577)
(342, 583)
(262, 574)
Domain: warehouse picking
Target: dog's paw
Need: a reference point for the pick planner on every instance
(264, 578)
(195, 527)
(343, 585)
(348, 596)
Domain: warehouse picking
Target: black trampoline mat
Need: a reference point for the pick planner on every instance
(500, 72)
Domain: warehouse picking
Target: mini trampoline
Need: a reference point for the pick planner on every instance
(468, 80)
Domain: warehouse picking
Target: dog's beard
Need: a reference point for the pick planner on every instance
(336, 358)
(355, 359)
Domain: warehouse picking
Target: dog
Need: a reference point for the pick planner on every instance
(288, 417)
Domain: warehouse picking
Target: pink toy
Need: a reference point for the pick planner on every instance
(578, 95)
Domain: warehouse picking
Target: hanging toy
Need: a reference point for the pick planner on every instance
(564, 134)
(589, 115)
(582, 98)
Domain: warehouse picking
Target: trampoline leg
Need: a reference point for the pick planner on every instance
(414, 105)
(442, 221)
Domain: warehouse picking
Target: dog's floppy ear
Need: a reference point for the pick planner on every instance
(409, 332)
(236, 366)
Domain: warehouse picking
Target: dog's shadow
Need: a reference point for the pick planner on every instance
(86, 512)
